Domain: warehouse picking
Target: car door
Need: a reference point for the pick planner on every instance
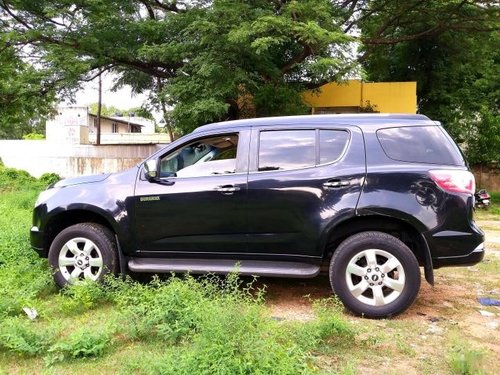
(300, 182)
(198, 204)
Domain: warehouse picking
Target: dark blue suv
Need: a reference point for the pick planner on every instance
(372, 197)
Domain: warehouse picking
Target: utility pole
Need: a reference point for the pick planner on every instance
(99, 106)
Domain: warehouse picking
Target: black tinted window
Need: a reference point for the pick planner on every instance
(420, 144)
(287, 149)
(331, 145)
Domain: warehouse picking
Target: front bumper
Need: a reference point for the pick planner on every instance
(36, 239)
(471, 259)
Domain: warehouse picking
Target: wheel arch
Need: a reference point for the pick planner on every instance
(66, 218)
(398, 228)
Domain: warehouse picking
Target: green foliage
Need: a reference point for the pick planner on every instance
(23, 275)
(330, 327)
(20, 336)
(218, 326)
(456, 71)
(82, 343)
(195, 56)
(81, 297)
(11, 178)
(49, 178)
(464, 360)
(33, 136)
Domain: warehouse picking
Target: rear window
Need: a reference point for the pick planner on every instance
(419, 144)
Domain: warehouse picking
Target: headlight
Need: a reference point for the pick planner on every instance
(45, 195)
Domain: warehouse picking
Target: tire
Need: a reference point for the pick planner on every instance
(84, 251)
(375, 275)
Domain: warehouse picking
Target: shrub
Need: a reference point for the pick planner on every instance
(465, 361)
(82, 296)
(221, 326)
(19, 336)
(83, 343)
(33, 136)
(49, 178)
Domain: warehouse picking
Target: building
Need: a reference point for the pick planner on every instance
(356, 96)
(75, 125)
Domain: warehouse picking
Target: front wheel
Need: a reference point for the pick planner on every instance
(85, 251)
(374, 274)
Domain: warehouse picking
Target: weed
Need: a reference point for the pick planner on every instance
(19, 336)
(83, 343)
(465, 361)
(49, 178)
(329, 328)
(81, 297)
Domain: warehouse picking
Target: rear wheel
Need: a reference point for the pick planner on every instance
(374, 274)
(84, 251)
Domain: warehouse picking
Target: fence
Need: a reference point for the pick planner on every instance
(38, 157)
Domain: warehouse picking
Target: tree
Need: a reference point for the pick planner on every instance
(206, 58)
(456, 74)
(24, 99)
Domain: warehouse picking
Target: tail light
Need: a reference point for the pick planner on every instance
(454, 181)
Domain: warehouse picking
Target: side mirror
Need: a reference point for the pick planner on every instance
(151, 170)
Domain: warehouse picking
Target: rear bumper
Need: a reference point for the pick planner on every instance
(474, 257)
(36, 239)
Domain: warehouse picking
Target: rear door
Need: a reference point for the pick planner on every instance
(300, 182)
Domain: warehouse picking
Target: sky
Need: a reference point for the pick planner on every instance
(122, 98)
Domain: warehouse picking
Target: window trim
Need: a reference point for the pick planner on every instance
(253, 169)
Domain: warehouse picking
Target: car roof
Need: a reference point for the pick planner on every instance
(364, 119)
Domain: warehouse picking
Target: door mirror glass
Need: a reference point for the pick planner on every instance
(151, 169)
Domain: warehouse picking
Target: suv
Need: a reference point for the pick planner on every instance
(370, 197)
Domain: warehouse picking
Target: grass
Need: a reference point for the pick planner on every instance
(180, 325)
(213, 325)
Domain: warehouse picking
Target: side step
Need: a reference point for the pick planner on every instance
(224, 266)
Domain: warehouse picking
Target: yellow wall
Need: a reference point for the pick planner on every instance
(395, 97)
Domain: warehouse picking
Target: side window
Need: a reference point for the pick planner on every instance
(331, 145)
(203, 157)
(287, 149)
(419, 144)
(293, 149)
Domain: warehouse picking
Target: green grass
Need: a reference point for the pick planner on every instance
(495, 203)
(180, 325)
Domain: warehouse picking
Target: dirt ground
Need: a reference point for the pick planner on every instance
(444, 318)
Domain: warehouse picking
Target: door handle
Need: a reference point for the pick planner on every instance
(336, 183)
(227, 189)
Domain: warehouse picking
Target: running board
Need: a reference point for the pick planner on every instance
(224, 266)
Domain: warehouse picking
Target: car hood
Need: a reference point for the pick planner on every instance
(81, 180)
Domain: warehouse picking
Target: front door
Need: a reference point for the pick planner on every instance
(198, 206)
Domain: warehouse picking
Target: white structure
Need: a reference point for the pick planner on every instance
(75, 125)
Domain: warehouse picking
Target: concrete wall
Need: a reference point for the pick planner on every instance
(38, 157)
(487, 178)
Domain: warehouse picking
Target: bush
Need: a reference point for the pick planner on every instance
(83, 343)
(19, 336)
(465, 361)
(81, 297)
(49, 178)
(33, 137)
(213, 325)
(14, 179)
